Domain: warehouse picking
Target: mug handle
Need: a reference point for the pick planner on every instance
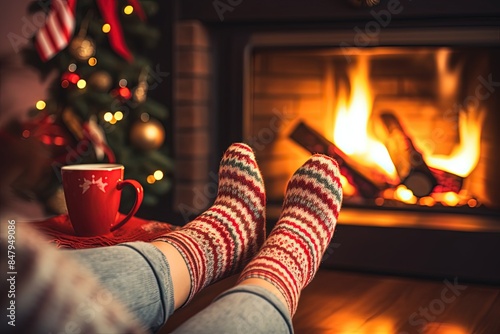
(138, 201)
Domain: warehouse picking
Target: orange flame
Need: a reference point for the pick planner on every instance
(353, 110)
(465, 156)
(351, 133)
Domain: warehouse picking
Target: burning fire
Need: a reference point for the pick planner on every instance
(352, 134)
(465, 156)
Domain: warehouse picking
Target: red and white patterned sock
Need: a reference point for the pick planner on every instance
(292, 253)
(223, 239)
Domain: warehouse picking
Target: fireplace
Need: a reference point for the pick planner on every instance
(413, 126)
(317, 79)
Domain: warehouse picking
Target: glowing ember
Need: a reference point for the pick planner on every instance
(405, 195)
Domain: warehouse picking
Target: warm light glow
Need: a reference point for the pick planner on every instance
(118, 115)
(113, 118)
(351, 133)
(64, 84)
(405, 195)
(40, 105)
(444, 328)
(151, 179)
(158, 175)
(106, 27)
(465, 156)
(108, 116)
(128, 9)
(347, 188)
(354, 321)
(59, 141)
(81, 84)
(472, 203)
(448, 78)
(450, 198)
(427, 201)
(72, 67)
(151, 133)
(92, 61)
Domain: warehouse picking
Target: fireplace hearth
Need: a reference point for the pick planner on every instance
(269, 68)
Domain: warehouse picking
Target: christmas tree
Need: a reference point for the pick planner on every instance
(98, 108)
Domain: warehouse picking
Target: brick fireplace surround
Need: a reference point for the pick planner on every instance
(209, 113)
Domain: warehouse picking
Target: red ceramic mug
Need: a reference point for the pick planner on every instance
(92, 193)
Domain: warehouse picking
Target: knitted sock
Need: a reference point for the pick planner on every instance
(292, 253)
(223, 239)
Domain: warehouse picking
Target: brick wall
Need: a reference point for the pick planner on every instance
(192, 107)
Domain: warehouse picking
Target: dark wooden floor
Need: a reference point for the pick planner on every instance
(347, 302)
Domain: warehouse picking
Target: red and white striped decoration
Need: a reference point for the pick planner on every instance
(58, 29)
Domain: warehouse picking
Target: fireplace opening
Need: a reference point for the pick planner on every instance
(413, 127)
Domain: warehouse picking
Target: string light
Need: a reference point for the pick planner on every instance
(59, 141)
(92, 61)
(40, 105)
(158, 175)
(113, 118)
(128, 9)
(72, 67)
(106, 27)
(108, 116)
(81, 84)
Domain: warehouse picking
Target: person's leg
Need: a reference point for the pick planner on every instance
(138, 275)
(291, 255)
(242, 309)
(154, 279)
(223, 239)
(268, 290)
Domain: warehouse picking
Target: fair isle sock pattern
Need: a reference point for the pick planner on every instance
(223, 239)
(292, 253)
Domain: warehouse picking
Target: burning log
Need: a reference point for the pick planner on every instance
(447, 181)
(410, 165)
(314, 142)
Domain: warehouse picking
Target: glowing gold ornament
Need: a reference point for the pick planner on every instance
(101, 81)
(148, 135)
(82, 48)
